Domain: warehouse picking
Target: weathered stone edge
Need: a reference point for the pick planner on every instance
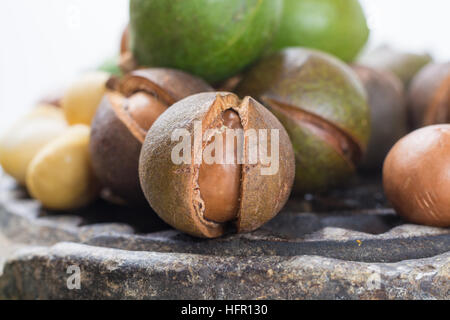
(40, 273)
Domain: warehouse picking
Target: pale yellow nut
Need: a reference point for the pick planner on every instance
(60, 176)
(81, 99)
(27, 137)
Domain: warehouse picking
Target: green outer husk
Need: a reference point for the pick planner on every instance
(317, 165)
(212, 39)
(320, 85)
(314, 82)
(338, 27)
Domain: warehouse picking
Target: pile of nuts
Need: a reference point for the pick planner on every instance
(299, 119)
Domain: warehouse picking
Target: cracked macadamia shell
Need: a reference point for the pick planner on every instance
(117, 136)
(323, 106)
(416, 176)
(171, 188)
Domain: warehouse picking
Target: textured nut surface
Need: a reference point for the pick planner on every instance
(60, 176)
(416, 176)
(27, 136)
(122, 121)
(81, 99)
(171, 188)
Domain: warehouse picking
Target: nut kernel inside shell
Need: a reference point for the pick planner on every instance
(126, 113)
(138, 111)
(219, 183)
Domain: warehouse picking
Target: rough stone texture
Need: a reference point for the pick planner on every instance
(346, 244)
(119, 274)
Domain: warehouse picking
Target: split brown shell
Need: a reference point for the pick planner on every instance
(416, 176)
(172, 189)
(388, 113)
(429, 96)
(323, 106)
(116, 138)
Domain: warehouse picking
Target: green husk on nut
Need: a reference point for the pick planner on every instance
(212, 39)
(123, 119)
(338, 27)
(322, 105)
(176, 192)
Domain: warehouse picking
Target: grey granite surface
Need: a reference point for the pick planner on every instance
(347, 244)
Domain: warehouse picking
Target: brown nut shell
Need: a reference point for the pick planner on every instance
(172, 189)
(416, 176)
(122, 122)
(429, 96)
(387, 110)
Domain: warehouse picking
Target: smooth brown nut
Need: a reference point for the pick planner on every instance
(20, 144)
(60, 176)
(205, 200)
(387, 112)
(429, 96)
(416, 176)
(123, 119)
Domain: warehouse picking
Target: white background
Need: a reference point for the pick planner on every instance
(46, 43)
